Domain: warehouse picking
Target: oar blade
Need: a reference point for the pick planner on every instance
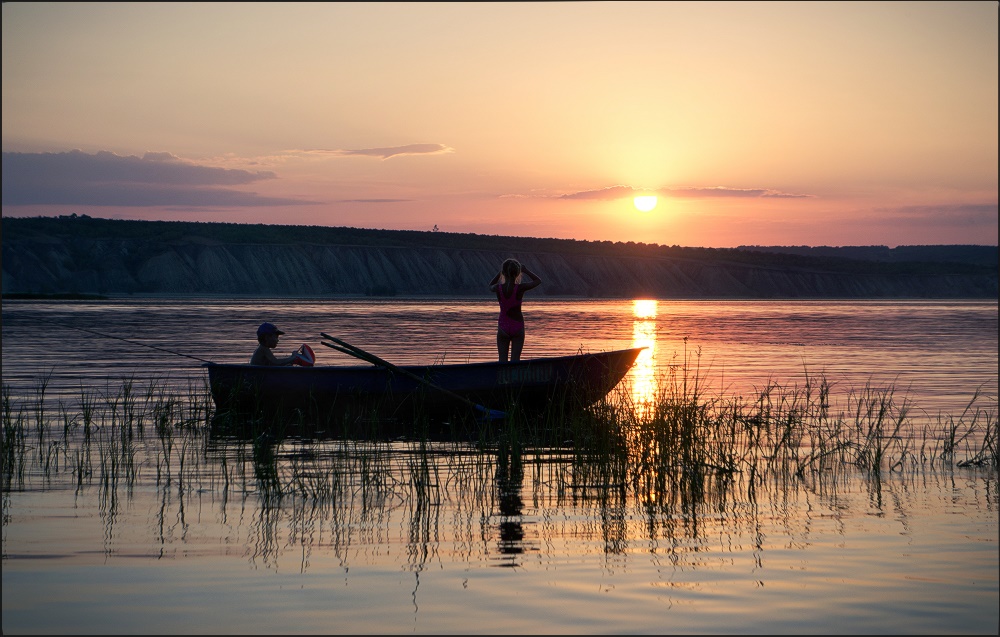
(485, 413)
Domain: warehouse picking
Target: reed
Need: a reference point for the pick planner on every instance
(88, 401)
(265, 468)
(683, 455)
(39, 413)
(674, 454)
(986, 454)
(685, 444)
(14, 442)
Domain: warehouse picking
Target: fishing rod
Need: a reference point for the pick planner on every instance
(96, 333)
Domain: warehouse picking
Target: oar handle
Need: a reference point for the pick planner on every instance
(360, 353)
(357, 352)
(344, 350)
(371, 358)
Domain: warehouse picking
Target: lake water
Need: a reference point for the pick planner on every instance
(192, 535)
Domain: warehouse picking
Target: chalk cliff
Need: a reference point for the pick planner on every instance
(69, 262)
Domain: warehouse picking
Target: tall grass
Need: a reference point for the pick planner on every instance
(677, 453)
(15, 449)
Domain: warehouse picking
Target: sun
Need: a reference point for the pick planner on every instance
(645, 203)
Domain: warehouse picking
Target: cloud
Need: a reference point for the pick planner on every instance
(967, 215)
(371, 200)
(623, 192)
(723, 191)
(609, 193)
(107, 179)
(386, 153)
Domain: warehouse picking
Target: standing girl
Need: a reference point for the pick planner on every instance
(510, 290)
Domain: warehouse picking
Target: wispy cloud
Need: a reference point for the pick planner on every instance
(968, 215)
(622, 192)
(385, 153)
(724, 191)
(106, 179)
(609, 193)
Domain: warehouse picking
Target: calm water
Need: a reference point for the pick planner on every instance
(394, 538)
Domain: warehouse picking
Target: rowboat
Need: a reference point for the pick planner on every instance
(339, 397)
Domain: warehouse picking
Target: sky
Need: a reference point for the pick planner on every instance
(752, 123)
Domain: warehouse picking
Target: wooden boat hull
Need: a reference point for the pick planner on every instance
(332, 395)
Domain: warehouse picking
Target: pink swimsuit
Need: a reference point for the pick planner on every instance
(510, 325)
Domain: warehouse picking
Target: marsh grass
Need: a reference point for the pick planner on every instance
(15, 446)
(674, 455)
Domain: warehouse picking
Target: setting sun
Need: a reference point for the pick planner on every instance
(645, 203)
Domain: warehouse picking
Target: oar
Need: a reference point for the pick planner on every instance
(357, 352)
(344, 350)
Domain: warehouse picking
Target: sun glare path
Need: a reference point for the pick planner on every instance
(645, 203)
(644, 308)
(644, 371)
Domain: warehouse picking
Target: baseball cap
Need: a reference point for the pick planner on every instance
(268, 328)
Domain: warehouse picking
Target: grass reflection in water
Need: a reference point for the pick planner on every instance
(674, 493)
(676, 454)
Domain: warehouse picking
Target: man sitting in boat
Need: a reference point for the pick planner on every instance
(267, 337)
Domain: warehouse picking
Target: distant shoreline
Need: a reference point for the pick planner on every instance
(111, 259)
(19, 296)
(27, 296)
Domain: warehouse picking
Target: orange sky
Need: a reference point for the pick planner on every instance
(755, 123)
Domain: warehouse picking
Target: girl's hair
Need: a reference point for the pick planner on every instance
(511, 268)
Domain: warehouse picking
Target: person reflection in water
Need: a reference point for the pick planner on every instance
(510, 289)
(509, 476)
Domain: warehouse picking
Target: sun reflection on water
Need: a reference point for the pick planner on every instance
(643, 373)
